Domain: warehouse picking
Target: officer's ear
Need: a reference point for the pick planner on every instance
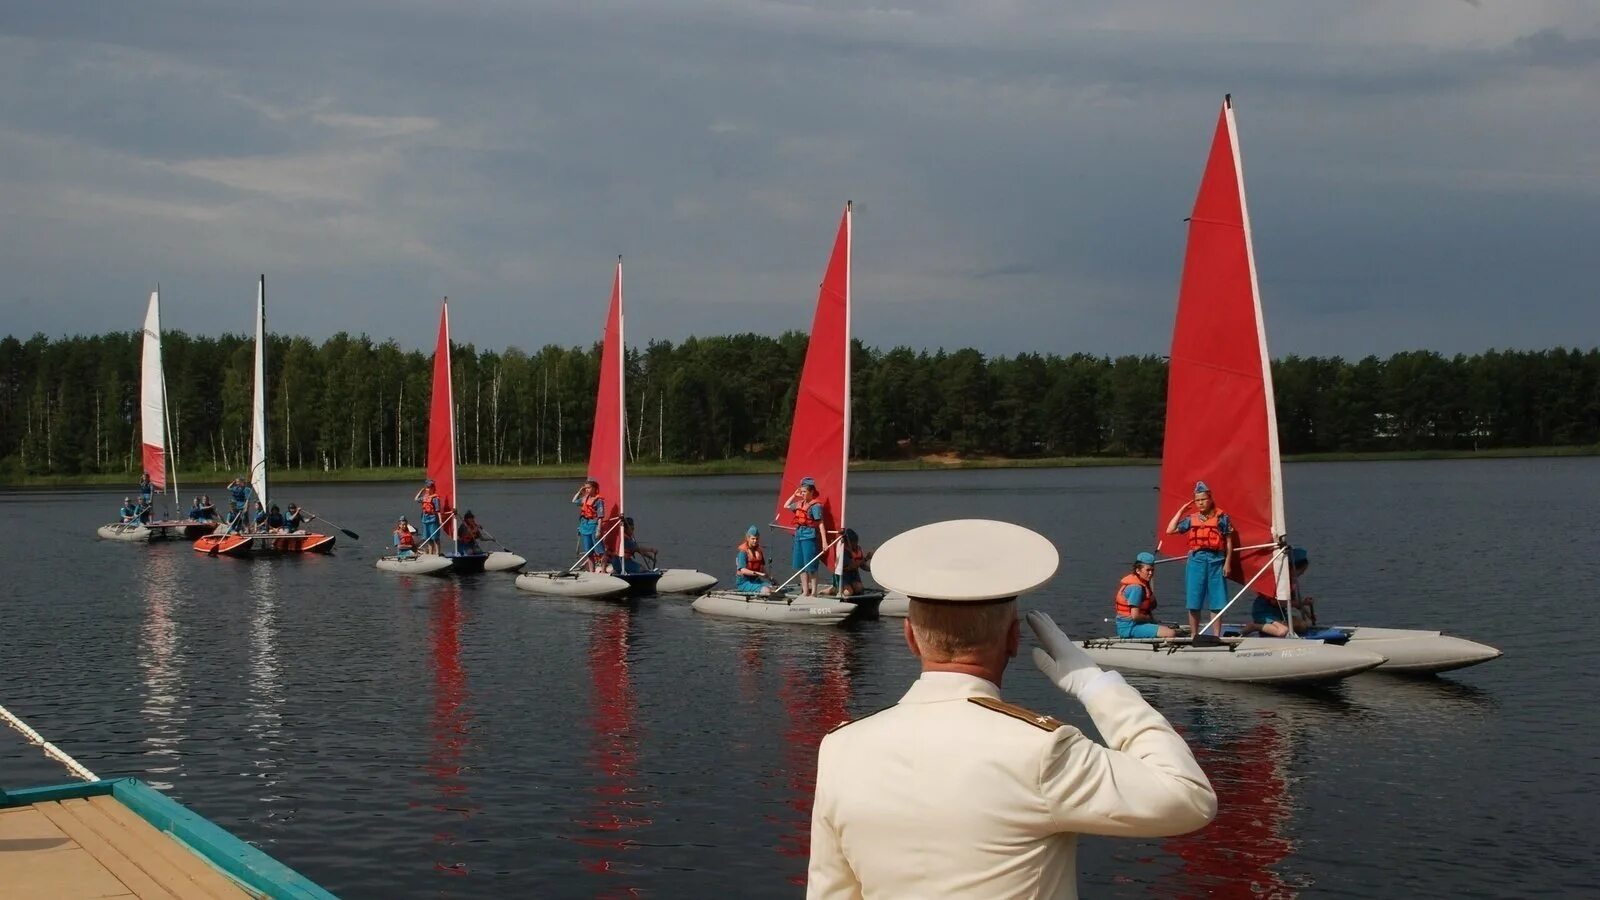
(911, 639)
(1013, 638)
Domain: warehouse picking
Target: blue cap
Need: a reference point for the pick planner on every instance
(1200, 488)
(753, 531)
(1300, 556)
(428, 483)
(808, 481)
(1145, 559)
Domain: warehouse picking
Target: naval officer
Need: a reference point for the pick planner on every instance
(954, 792)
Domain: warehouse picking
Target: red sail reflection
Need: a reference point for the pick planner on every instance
(615, 751)
(451, 726)
(1234, 855)
(816, 701)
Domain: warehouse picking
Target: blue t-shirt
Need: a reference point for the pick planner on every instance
(809, 532)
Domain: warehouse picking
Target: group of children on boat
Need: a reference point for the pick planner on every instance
(598, 525)
(1213, 548)
(809, 522)
(245, 516)
(435, 517)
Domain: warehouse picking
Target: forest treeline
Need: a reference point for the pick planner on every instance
(70, 405)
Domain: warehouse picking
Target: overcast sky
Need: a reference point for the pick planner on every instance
(1421, 173)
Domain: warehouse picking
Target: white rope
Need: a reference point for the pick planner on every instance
(801, 571)
(50, 750)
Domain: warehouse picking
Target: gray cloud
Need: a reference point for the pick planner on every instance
(1417, 172)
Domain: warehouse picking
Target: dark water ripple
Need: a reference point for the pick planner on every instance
(399, 738)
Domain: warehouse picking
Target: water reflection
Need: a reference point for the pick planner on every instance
(816, 697)
(265, 694)
(1237, 854)
(618, 800)
(160, 660)
(450, 728)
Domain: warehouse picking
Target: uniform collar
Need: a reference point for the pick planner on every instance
(933, 687)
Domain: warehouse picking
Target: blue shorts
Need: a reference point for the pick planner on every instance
(430, 528)
(1203, 582)
(851, 580)
(587, 540)
(805, 551)
(749, 586)
(1263, 612)
(1127, 629)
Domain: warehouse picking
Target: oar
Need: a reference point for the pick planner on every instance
(489, 537)
(352, 534)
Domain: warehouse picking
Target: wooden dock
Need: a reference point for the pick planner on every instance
(97, 847)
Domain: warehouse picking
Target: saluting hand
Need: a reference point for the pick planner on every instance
(1061, 661)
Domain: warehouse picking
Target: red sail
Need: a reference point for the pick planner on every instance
(442, 424)
(608, 445)
(819, 439)
(1221, 427)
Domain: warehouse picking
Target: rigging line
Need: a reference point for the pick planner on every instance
(50, 750)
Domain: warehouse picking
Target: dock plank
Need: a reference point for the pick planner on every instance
(120, 863)
(66, 874)
(196, 873)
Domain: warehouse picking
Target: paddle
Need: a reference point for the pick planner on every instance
(489, 537)
(352, 534)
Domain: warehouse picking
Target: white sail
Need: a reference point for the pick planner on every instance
(258, 411)
(152, 398)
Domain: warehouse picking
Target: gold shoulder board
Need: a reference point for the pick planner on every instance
(1020, 713)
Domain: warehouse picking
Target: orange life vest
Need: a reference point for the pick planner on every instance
(854, 557)
(589, 508)
(430, 504)
(802, 513)
(754, 559)
(1205, 532)
(1125, 609)
(468, 532)
(408, 541)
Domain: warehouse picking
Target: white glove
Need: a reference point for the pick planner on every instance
(1061, 661)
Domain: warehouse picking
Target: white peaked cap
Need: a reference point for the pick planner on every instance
(965, 560)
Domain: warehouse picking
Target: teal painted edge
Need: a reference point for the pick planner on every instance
(225, 851)
(212, 843)
(70, 791)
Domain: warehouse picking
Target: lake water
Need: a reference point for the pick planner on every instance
(421, 738)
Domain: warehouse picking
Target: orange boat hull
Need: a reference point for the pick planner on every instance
(253, 544)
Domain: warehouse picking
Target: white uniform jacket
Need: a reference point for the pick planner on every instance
(944, 796)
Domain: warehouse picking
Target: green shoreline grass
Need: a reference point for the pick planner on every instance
(202, 481)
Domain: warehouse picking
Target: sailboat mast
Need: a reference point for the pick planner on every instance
(1275, 462)
(258, 422)
(449, 391)
(622, 408)
(169, 456)
(844, 463)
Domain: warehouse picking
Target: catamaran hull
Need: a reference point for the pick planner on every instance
(503, 561)
(1416, 652)
(786, 608)
(422, 564)
(640, 584)
(591, 585)
(684, 581)
(1247, 660)
(156, 531)
(895, 605)
(264, 544)
(120, 532)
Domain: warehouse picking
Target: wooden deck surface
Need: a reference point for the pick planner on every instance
(96, 847)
